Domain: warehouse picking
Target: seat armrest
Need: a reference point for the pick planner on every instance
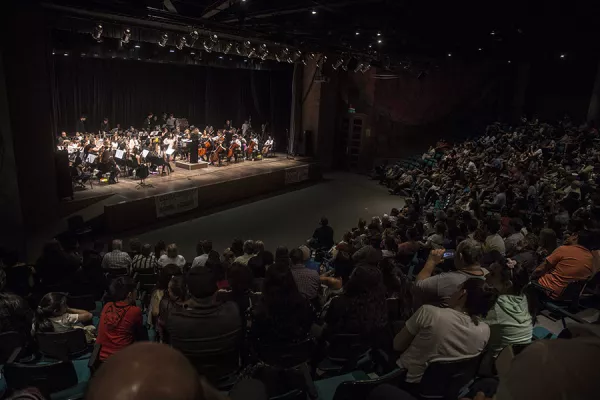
(94, 357)
(14, 355)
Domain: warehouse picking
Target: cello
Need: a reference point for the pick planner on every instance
(215, 155)
(232, 148)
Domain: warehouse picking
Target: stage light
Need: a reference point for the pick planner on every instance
(357, 33)
(359, 67)
(181, 42)
(66, 54)
(193, 37)
(228, 47)
(297, 55)
(378, 33)
(338, 63)
(164, 38)
(238, 49)
(97, 33)
(321, 61)
(283, 55)
(137, 46)
(314, 12)
(479, 49)
(563, 56)
(192, 52)
(509, 61)
(493, 33)
(53, 53)
(311, 56)
(263, 51)
(171, 51)
(366, 68)
(126, 36)
(247, 44)
(379, 41)
(220, 57)
(370, 46)
(252, 52)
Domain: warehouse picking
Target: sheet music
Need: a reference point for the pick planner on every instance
(91, 158)
(145, 153)
(119, 154)
(170, 151)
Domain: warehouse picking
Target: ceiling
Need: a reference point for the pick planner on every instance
(386, 32)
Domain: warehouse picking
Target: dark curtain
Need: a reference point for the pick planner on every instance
(125, 91)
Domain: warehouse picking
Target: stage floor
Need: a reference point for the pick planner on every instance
(128, 189)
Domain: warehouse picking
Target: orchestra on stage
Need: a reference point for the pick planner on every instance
(110, 153)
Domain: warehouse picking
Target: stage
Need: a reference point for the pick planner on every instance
(128, 205)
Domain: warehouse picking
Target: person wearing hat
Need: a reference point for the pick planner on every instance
(204, 325)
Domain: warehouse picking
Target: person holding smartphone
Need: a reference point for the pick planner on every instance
(438, 289)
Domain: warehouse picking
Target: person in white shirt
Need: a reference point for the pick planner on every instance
(245, 127)
(454, 332)
(267, 146)
(203, 249)
(172, 257)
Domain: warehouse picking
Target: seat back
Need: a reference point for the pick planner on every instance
(145, 279)
(358, 390)
(9, 342)
(343, 347)
(62, 345)
(573, 290)
(216, 366)
(286, 355)
(112, 273)
(84, 302)
(444, 378)
(48, 378)
(145, 272)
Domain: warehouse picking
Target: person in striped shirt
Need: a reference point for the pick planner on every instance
(146, 259)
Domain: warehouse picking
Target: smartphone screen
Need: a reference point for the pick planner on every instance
(448, 254)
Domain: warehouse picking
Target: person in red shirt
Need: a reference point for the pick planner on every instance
(121, 320)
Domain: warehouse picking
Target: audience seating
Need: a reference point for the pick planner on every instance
(219, 367)
(112, 273)
(358, 390)
(344, 353)
(63, 346)
(56, 380)
(9, 342)
(446, 378)
(285, 356)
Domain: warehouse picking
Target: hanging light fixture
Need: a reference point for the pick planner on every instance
(252, 52)
(321, 61)
(164, 38)
(338, 63)
(297, 55)
(264, 51)
(97, 33)
(227, 47)
(181, 42)
(282, 55)
(126, 36)
(193, 37)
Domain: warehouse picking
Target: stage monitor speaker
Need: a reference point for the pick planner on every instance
(194, 151)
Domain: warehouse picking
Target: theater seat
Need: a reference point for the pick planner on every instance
(359, 389)
(447, 378)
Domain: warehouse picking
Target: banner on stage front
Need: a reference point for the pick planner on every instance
(296, 175)
(176, 202)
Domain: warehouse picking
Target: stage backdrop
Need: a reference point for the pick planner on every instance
(125, 91)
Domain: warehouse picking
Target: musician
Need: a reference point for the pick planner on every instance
(170, 122)
(235, 148)
(62, 139)
(80, 125)
(245, 128)
(104, 126)
(148, 122)
(267, 146)
(227, 126)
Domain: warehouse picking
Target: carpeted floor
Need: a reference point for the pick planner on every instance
(287, 219)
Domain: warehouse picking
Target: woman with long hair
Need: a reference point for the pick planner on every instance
(282, 315)
(164, 277)
(53, 314)
(361, 308)
(173, 300)
(121, 321)
(511, 319)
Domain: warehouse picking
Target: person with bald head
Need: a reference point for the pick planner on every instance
(133, 374)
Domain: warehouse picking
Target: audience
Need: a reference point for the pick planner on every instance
(53, 314)
(171, 257)
(453, 332)
(116, 258)
(306, 279)
(481, 219)
(145, 260)
(121, 321)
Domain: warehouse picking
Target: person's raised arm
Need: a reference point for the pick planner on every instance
(435, 258)
(82, 315)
